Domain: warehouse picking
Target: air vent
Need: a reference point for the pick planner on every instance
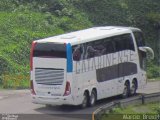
(49, 76)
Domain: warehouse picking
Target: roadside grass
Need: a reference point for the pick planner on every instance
(15, 81)
(134, 112)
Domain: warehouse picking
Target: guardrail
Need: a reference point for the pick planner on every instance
(135, 100)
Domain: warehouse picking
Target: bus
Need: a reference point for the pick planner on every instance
(81, 67)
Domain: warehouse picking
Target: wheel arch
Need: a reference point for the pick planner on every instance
(86, 91)
(127, 82)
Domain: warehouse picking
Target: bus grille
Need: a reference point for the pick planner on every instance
(49, 76)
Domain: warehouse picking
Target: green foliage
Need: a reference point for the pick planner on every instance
(21, 22)
(15, 80)
(153, 71)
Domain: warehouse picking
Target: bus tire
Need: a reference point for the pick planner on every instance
(85, 100)
(126, 90)
(133, 88)
(93, 98)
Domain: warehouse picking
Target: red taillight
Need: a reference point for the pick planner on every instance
(67, 89)
(31, 55)
(31, 68)
(32, 88)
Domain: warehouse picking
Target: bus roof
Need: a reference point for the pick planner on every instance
(87, 35)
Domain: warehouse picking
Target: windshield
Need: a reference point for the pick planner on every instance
(50, 50)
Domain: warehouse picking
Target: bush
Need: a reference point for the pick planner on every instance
(24, 21)
(15, 81)
(153, 71)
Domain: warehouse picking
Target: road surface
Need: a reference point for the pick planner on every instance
(19, 102)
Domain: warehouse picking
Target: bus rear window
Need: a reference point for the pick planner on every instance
(50, 50)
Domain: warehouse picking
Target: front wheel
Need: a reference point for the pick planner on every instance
(133, 88)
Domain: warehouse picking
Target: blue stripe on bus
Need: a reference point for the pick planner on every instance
(69, 58)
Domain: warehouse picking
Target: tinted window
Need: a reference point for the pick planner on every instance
(109, 45)
(123, 42)
(102, 47)
(95, 48)
(139, 38)
(116, 71)
(90, 51)
(50, 50)
(78, 52)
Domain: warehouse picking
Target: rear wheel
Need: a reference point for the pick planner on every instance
(126, 90)
(133, 88)
(85, 100)
(93, 98)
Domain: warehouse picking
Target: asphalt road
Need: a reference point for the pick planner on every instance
(19, 102)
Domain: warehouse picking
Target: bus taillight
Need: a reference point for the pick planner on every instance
(32, 88)
(31, 55)
(67, 89)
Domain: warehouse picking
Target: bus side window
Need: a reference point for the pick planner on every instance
(109, 46)
(124, 42)
(77, 52)
(139, 38)
(99, 48)
(128, 42)
(118, 44)
(90, 52)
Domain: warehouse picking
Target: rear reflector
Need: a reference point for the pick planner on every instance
(31, 55)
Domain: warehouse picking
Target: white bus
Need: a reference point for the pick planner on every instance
(81, 67)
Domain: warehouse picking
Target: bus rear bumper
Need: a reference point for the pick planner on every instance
(64, 100)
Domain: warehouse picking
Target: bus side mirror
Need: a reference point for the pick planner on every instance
(148, 50)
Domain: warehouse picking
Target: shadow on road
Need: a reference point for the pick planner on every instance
(68, 111)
